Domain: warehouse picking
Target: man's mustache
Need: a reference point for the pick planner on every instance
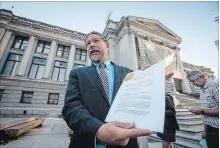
(93, 50)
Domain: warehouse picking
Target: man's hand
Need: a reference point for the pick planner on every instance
(196, 110)
(167, 75)
(144, 66)
(119, 133)
(203, 135)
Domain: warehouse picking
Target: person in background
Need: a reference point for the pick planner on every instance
(170, 126)
(209, 106)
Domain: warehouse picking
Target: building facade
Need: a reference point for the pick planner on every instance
(36, 59)
(136, 40)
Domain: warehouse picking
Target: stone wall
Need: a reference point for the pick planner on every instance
(10, 105)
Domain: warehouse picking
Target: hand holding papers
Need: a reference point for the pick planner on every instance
(141, 99)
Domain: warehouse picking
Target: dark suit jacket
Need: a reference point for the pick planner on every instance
(170, 114)
(86, 104)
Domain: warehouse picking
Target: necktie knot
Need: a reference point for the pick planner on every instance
(102, 65)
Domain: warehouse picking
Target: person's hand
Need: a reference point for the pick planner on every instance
(119, 133)
(167, 75)
(144, 66)
(203, 135)
(196, 110)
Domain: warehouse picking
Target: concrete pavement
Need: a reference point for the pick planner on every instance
(52, 134)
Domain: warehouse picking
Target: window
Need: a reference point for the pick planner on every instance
(59, 71)
(80, 55)
(20, 43)
(63, 51)
(26, 97)
(53, 98)
(43, 47)
(78, 65)
(1, 94)
(12, 64)
(37, 68)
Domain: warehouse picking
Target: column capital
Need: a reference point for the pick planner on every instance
(72, 46)
(54, 40)
(10, 30)
(2, 26)
(34, 35)
(150, 38)
(147, 37)
(164, 43)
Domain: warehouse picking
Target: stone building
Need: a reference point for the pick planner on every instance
(136, 40)
(36, 59)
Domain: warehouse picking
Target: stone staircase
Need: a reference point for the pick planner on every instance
(191, 126)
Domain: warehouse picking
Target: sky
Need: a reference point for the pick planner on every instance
(192, 21)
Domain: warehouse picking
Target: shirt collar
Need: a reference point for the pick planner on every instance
(207, 83)
(107, 63)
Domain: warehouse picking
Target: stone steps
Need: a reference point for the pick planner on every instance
(182, 141)
(191, 125)
(189, 118)
(190, 104)
(183, 114)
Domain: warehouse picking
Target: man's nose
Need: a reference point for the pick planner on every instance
(92, 44)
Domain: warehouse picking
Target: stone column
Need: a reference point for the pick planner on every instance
(133, 53)
(4, 42)
(51, 55)
(185, 87)
(70, 61)
(27, 54)
(112, 49)
(2, 32)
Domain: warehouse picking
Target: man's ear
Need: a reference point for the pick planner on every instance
(107, 45)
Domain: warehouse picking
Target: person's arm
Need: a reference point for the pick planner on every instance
(215, 94)
(211, 112)
(208, 112)
(74, 112)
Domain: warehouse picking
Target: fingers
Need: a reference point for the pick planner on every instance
(168, 75)
(134, 133)
(144, 66)
(124, 124)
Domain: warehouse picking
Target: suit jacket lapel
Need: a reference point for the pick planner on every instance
(95, 76)
(117, 79)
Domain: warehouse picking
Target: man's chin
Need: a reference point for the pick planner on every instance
(95, 58)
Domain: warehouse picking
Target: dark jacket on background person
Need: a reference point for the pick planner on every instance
(86, 105)
(170, 114)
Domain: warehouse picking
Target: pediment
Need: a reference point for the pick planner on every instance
(155, 25)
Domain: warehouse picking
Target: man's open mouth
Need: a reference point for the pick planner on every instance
(94, 52)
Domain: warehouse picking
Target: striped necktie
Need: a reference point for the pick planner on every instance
(104, 78)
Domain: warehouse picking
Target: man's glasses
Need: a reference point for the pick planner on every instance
(193, 81)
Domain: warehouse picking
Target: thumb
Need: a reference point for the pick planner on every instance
(168, 75)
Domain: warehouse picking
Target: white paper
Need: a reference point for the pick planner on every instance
(141, 99)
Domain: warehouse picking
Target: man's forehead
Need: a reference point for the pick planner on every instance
(92, 36)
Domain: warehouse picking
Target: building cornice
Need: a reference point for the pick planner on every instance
(8, 18)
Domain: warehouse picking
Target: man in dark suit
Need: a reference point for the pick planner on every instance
(89, 95)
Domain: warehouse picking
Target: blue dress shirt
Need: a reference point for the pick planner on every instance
(109, 69)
